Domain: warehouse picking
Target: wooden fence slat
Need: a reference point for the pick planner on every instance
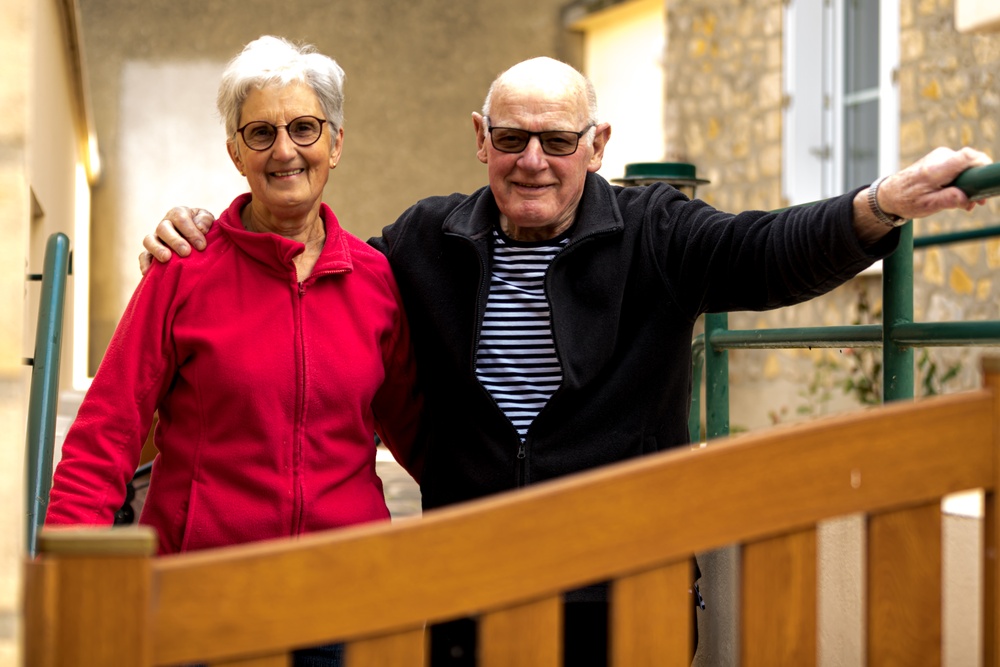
(402, 649)
(904, 586)
(98, 583)
(39, 614)
(259, 599)
(991, 596)
(991, 530)
(528, 634)
(652, 614)
(778, 614)
(846, 464)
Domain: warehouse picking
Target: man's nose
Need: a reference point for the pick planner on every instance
(532, 156)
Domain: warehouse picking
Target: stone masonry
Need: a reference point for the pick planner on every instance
(724, 113)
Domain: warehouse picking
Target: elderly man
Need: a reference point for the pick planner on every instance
(552, 313)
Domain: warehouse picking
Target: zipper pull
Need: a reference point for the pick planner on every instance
(520, 452)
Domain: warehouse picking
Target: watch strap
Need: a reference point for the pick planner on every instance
(887, 219)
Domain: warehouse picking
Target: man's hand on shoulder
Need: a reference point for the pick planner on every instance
(181, 228)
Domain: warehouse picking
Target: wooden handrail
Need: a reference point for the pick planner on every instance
(638, 523)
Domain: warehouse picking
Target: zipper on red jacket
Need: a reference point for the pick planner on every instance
(299, 428)
(298, 436)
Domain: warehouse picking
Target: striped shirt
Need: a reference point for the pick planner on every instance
(516, 359)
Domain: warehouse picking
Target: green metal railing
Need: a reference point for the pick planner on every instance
(44, 397)
(897, 336)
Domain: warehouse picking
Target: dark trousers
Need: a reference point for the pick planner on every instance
(585, 638)
(331, 655)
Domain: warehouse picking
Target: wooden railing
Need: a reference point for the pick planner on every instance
(508, 558)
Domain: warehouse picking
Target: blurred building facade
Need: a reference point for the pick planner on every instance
(111, 121)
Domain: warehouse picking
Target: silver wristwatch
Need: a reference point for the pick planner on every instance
(887, 219)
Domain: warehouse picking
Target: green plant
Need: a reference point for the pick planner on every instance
(927, 370)
(859, 374)
(863, 375)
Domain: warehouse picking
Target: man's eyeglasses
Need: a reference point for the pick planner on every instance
(259, 135)
(554, 142)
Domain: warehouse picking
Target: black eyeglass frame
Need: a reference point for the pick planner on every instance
(541, 137)
(321, 121)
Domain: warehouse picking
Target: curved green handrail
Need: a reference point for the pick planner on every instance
(980, 182)
(897, 337)
(44, 396)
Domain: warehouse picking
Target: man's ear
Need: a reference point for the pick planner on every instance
(480, 124)
(234, 155)
(602, 133)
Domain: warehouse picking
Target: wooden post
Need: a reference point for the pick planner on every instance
(88, 597)
(779, 589)
(904, 586)
(991, 528)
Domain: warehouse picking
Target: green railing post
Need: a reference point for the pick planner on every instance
(716, 378)
(697, 367)
(897, 294)
(44, 396)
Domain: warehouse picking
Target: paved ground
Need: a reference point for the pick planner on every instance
(402, 494)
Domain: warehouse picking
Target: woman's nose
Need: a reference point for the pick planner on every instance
(284, 147)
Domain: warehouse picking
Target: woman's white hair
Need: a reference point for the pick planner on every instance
(268, 61)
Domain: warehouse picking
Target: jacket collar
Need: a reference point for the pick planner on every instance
(279, 252)
(597, 213)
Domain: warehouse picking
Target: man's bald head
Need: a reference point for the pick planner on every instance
(546, 77)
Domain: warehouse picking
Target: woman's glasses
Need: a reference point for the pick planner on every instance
(259, 135)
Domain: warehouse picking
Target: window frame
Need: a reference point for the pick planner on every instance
(813, 79)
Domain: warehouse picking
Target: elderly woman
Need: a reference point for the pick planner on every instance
(273, 375)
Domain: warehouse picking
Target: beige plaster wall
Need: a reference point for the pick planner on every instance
(56, 173)
(624, 47)
(415, 72)
(15, 211)
(39, 141)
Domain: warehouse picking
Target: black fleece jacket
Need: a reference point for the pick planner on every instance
(641, 265)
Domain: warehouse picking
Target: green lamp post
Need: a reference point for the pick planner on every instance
(681, 175)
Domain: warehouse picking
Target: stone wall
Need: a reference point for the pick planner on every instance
(724, 98)
(724, 101)
(950, 96)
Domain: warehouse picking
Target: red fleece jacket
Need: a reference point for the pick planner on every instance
(269, 392)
